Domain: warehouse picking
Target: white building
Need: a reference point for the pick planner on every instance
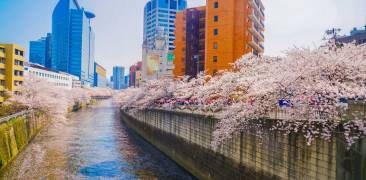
(60, 79)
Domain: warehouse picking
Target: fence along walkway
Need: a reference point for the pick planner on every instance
(8, 118)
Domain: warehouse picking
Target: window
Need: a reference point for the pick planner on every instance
(19, 52)
(216, 18)
(216, 5)
(2, 83)
(2, 60)
(214, 59)
(2, 71)
(17, 83)
(216, 32)
(18, 63)
(215, 46)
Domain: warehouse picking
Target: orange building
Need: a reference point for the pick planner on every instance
(232, 28)
(190, 42)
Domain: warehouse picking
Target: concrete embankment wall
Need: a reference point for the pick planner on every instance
(186, 138)
(16, 132)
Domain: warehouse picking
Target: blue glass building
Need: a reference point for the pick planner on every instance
(161, 14)
(127, 80)
(73, 41)
(118, 77)
(40, 51)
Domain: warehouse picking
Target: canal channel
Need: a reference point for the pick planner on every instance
(92, 144)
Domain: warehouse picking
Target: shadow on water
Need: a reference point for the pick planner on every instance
(92, 144)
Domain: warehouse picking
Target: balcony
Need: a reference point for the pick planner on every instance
(257, 47)
(255, 32)
(256, 6)
(256, 21)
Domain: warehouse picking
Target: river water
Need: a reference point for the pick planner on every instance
(92, 144)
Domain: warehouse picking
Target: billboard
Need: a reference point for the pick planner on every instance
(153, 64)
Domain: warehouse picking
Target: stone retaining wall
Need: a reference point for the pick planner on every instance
(186, 138)
(16, 133)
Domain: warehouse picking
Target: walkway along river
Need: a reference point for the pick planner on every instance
(92, 144)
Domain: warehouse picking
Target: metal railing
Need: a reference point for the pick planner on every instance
(8, 118)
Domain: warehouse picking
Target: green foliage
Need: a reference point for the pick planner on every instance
(11, 108)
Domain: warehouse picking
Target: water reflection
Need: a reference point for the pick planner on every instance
(92, 144)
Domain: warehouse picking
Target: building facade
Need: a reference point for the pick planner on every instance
(59, 79)
(11, 68)
(132, 76)
(158, 62)
(233, 28)
(73, 40)
(127, 81)
(161, 14)
(118, 77)
(100, 76)
(357, 36)
(40, 51)
(190, 43)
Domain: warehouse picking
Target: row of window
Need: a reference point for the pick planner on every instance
(18, 63)
(19, 52)
(62, 84)
(49, 75)
(18, 73)
(18, 83)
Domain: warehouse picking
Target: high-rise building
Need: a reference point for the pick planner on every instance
(127, 81)
(228, 28)
(100, 76)
(161, 14)
(233, 28)
(73, 40)
(190, 43)
(11, 68)
(118, 77)
(40, 51)
(157, 63)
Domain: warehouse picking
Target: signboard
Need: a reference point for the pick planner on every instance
(171, 57)
(153, 64)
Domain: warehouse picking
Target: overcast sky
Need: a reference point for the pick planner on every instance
(118, 25)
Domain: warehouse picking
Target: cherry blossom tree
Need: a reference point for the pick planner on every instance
(40, 95)
(313, 84)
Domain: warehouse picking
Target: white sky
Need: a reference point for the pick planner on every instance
(289, 23)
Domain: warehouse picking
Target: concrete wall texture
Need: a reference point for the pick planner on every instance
(16, 134)
(186, 138)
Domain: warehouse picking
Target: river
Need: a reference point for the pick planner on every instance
(92, 144)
